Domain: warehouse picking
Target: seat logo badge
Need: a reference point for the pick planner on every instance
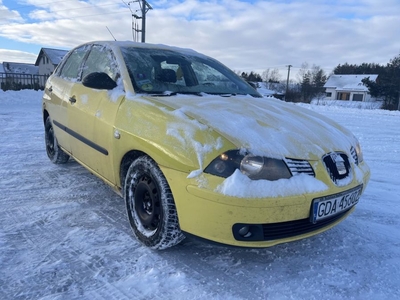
(339, 162)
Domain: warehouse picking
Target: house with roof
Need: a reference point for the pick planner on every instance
(16, 76)
(48, 59)
(349, 87)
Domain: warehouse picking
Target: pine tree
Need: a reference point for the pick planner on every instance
(387, 87)
(312, 82)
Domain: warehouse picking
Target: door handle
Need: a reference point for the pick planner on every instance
(50, 89)
(72, 99)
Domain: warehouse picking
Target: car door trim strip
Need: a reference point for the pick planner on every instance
(81, 138)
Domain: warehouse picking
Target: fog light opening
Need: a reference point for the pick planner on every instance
(248, 232)
(245, 231)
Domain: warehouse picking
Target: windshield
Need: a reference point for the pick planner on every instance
(158, 71)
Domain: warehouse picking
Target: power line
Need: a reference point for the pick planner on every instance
(83, 16)
(70, 9)
(144, 8)
(78, 8)
(27, 6)
(36, 5)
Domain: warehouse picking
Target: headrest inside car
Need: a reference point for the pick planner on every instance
(167, 75)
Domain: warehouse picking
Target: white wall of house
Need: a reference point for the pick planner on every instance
(347, 95)
(48, 59)
(348, 88)
(45, 66)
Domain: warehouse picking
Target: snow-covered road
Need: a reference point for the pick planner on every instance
(64, 233)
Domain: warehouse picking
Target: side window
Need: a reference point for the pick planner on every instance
(71, 67)
(100, 59)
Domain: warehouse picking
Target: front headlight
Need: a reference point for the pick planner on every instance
(359, 153)
(255, 167)
(225, 164)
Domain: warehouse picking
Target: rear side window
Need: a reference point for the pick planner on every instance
(71, 67)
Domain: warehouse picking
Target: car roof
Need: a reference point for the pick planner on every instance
(126, 44)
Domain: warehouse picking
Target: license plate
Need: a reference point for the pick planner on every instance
(329, 206)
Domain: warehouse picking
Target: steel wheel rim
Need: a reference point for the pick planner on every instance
(147, 203)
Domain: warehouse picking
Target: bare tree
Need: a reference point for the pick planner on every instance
(271, 76)
(302, 72)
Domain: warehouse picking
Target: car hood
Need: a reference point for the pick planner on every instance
(265, 126)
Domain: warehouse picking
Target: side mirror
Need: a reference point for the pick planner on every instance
(99, 81)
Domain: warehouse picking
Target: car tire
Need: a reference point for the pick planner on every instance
(54, 152)
(150, 205)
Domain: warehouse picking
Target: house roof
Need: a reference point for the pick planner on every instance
(21, 68)
(349, 82)
(54, 55)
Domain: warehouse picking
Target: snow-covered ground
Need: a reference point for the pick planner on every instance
(64, 233)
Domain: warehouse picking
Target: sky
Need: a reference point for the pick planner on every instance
(244, 35)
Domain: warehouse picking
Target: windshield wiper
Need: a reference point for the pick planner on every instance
(168, 94)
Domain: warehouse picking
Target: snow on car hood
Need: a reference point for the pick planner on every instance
(266, 127)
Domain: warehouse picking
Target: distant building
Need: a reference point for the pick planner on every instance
(48, 59)
(17, 76)
(348, 87)
(20, 68)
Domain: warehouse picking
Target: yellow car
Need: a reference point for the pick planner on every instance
(194, 149)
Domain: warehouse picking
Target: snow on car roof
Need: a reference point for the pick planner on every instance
(120, 44)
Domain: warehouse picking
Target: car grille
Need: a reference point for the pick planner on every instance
(282, 230)
(297, 166)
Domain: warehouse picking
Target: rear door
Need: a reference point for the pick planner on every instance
(57, 89)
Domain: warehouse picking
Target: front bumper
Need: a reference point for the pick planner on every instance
(205, 213)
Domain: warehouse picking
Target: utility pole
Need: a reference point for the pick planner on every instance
(287, 81)
(144, 8)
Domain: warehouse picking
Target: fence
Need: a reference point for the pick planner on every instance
(18, 81)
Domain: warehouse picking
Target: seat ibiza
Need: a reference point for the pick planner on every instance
(195, 150)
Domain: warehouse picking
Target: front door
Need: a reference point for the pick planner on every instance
(91, 115)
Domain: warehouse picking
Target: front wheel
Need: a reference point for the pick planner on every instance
(54, 152)
(150, 205)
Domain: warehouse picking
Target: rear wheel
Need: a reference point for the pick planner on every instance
(150, 205)
(54, 152)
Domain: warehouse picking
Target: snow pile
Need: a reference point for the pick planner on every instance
(348, 104)
(265, 126)
(20, 97)
(185, 136)
(239, 185)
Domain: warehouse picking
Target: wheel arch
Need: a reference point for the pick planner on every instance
(160, 158)
(45, 116)
(126, 161)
